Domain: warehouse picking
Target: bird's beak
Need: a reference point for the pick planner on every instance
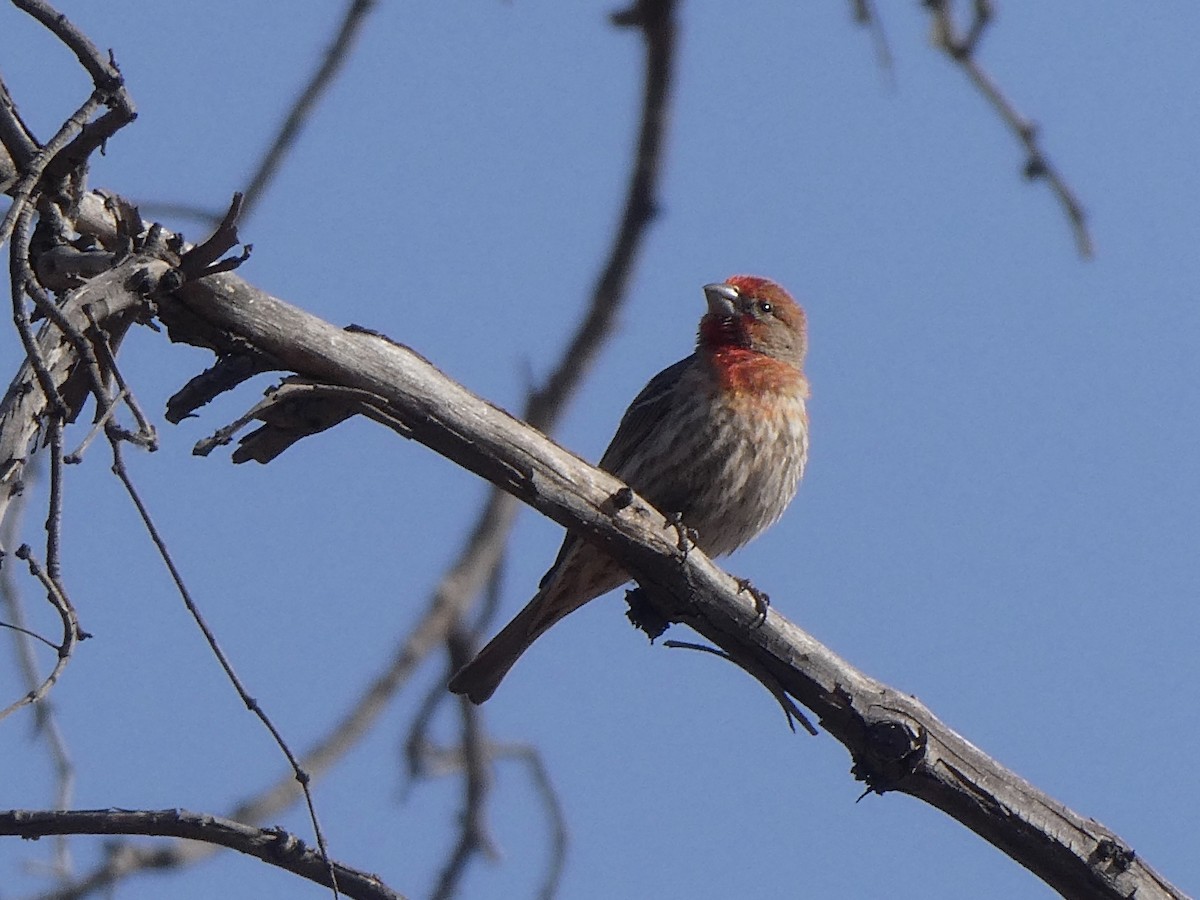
(722, 299)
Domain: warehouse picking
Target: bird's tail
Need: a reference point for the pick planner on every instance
(479, 678)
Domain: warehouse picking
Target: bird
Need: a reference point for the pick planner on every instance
(718, 442)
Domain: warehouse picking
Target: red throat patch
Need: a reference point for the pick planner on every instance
(747, 372)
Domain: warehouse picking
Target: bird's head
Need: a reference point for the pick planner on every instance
(753, 313)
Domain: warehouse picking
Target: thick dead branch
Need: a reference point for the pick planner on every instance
(485, 541)
(273, 846)
(112, 301)
(896, 742)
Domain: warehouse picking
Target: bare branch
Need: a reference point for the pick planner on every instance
(960, 47)
(656, 19)
(105, 76)
(866, 15)
(45, 719)
(474, 756)
(897, 743)
(484, 545)
(791, 712)
(19, 144)
(79, 136)
(273, 846)
(473, 835)
(335, 57)
(71, 634)
(302, 777)
(540, 775)
(114, 300)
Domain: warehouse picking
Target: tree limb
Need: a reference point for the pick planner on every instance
(897, 744)
(273, 846)
(895, 741)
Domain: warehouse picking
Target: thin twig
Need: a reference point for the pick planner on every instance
(105, 76)
(25, 188)
(54, 504)
(441, 761)
(176, 210)
(539, 773)
(761, 674)
(476, 766)
(21, 629)
(866, 15)
(15, 136)
(33, 353)
(960, 47)
(301, 776)
(418, 752)
(146, 436)
(99, 427)
(335, 57)
(45, 720)
(70, 627)
(485, 542)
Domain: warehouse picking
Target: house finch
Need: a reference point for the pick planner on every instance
(720, 438)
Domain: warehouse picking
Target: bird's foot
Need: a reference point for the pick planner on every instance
(762, 600)
(688, 537)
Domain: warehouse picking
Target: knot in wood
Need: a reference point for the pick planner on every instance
(892, 751)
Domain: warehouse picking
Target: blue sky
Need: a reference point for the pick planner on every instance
(1000, 513)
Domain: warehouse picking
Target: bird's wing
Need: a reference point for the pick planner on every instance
(643, 416)
(644, 413)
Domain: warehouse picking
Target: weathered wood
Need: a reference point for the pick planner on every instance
(272, 845)
(113, 300)
(896, 742)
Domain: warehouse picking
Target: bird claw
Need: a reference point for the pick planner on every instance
(762, 600)
(688, 537)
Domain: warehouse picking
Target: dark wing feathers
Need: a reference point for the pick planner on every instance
(643, 415)
(639, 421)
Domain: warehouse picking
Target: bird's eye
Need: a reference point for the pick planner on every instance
(765, 307)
